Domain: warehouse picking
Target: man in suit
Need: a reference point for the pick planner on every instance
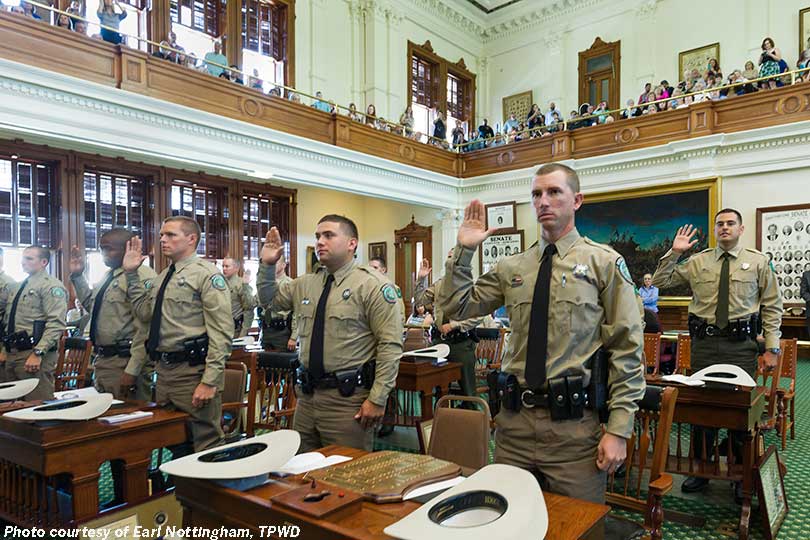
(805, 294)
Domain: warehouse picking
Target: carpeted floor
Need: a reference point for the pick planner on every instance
(716, 505)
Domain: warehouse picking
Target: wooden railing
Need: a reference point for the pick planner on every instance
(38, 44)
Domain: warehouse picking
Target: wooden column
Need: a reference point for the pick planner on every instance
(232, 35)
(159, 23)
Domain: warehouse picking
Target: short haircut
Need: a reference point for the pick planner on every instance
(347, 224)
(188, 226)
(571, 176)
(42, 252)
(729, 211)
(379, 260)
(118, 236)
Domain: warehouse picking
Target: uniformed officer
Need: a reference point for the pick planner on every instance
(279, 328)
(732, 287)
(5, 282)
(350, 332)
(190, 326)
(35, 321)
(117, 335)
(567, 297)
(242, 304)
(458, 335)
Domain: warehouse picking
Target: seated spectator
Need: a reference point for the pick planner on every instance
(371, 114)
(520, 133)
(420, 317)
(609, 119)
(407, 121)
(804, 62)
(686, 101)
(665, 84)
(214, 61)
(320, 104)
(769, 63)
(512, 122)
(651, 109)
(176, 51)
(535, 117)
(700, 86)
(552, 108)
(630, 110)
(750, 72)
(476, 142)
(353, 114)
(601, 112)
(458, 134)
(556, 123)
(294, 97)
(75, 8)
(498, 140)
(163, 51)
(642, 99)
(275, 92)
(236, 74)
(586, 115)
(255, 80)
(382, 125)
(675, 100)
(225, 75)
(439, 126)
(574, 120)
(80, 27)
(649, 293)
(64, 21)
(108, 17)
(485, 131)
(659, 98)
(30, 10)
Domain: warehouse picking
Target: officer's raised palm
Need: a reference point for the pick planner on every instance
(473, 230)
(424, 269)
(273, 249)
(683, 239)
(76, 264)
(133, 257)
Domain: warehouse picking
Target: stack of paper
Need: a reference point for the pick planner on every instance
(127, 417)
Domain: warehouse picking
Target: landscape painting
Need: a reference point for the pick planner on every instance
(641, 223)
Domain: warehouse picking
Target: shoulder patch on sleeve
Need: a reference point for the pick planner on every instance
(58, 292)
(147, 284)
(218, 282)
(621, 265)
(399, 292)
(389, 292)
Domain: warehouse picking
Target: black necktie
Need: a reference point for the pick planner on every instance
(157, 314)
(97, 306)
(13, 312)
(316, 342)
(721, 312)
(537, 347)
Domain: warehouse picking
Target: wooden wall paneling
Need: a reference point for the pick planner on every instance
(508, 156)
(673, 317)
(133, 71)
(763, 109)
(618, 136)
(56, 49)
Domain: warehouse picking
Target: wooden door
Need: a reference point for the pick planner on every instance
(412, 244)
(599, 74)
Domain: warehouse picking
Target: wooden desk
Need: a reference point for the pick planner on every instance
(718, 407)
(427, 381)
(40, 459)
(209, 505)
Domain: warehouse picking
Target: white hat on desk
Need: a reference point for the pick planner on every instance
(498, 501)
(244, 459)
(80, 408)
(17, 389)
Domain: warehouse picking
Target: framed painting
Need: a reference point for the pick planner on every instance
(519, 104)
(773, 501)
(783, 234)
(502, 216)
(698, 58)
(804, 30)
(498, 246)
(641, 223)
(378, 249)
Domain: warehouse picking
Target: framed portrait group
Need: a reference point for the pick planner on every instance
(783, 234)
(506, 241)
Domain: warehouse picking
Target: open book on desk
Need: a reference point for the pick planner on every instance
(309, 461)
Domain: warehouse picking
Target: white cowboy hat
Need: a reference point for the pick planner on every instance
(17, 389)
(81, 408)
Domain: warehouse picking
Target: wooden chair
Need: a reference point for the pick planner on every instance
(488, 352)
(790, 353)
(234, 401)
(770, 380)
(647, 451)
(683, 363)
(460, 435)
(275, 397)
(74, 357)
(652, 352)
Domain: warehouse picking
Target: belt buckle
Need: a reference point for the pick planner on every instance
(164, 357)
(523, 399)
(711, 330)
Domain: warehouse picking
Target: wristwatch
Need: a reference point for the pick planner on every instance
(774, 351)
(39, 352)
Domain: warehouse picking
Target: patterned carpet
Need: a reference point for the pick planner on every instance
(717, 505)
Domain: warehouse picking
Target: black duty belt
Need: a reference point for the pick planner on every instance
(107, 351)
(275, 324)
(457, 336)
(174, 357)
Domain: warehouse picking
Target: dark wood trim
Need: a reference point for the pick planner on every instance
(599, 48)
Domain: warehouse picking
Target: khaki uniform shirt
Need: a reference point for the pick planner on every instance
(752, 286)
(423, 294)
(363, 320)
(5, 282)
(592, 304)
(241, 302)
(196, 302)
(117, 320)
(44, 299)
(284, 313)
